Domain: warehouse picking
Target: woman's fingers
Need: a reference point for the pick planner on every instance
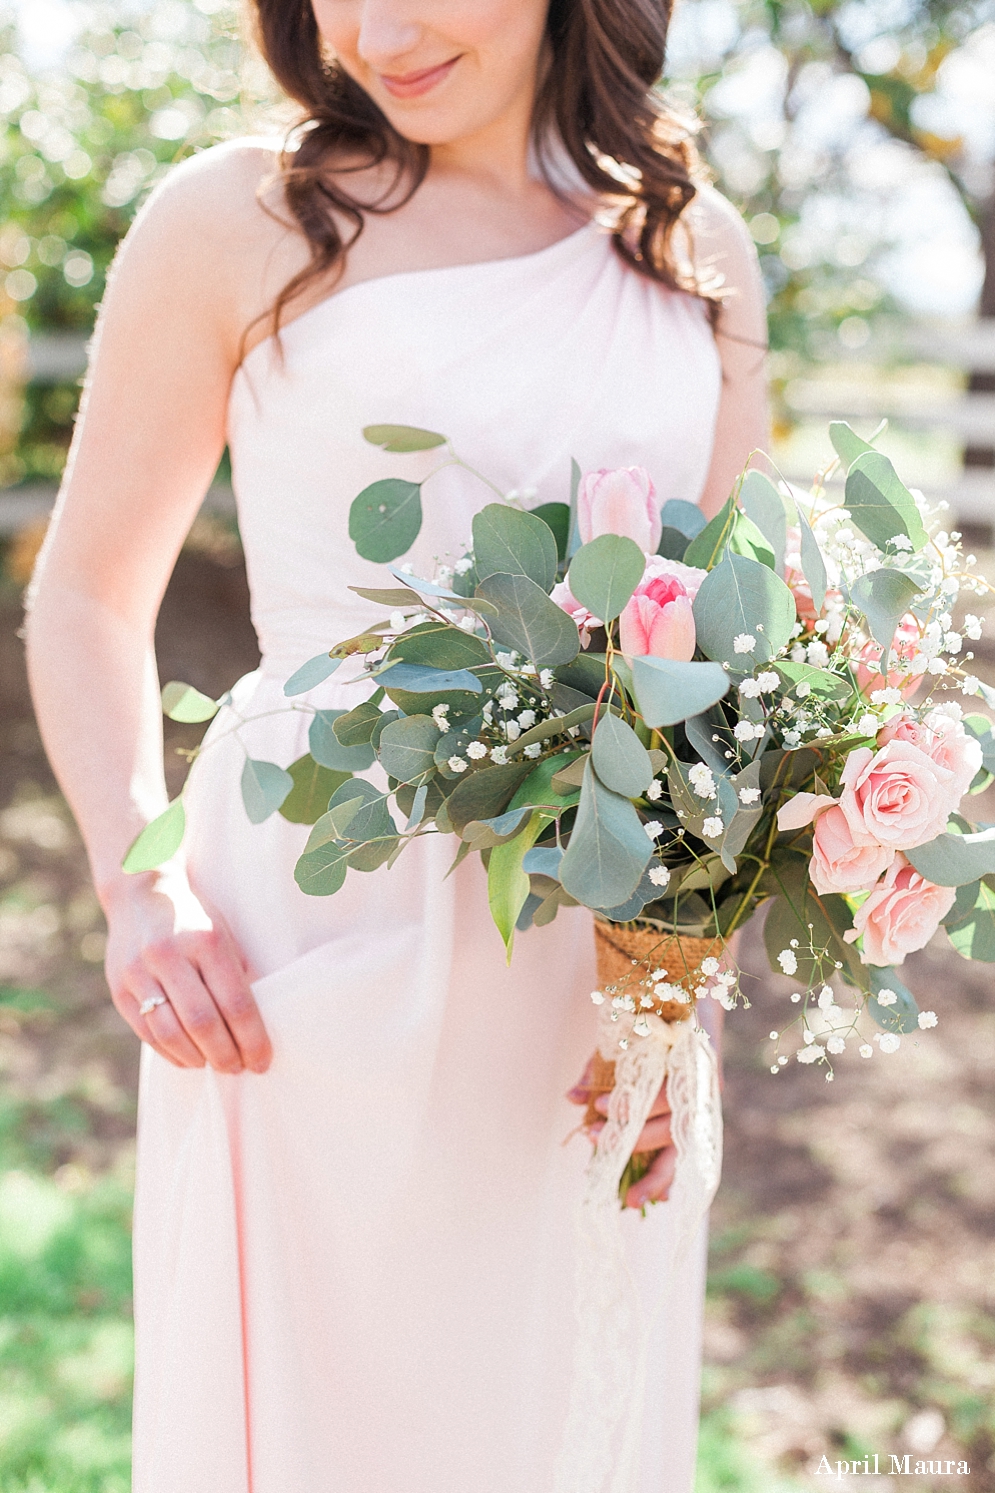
(654, 1135)
(225, 976)
(661, 1104)
(191, 1005)
(159, 1027)
(655, 1186)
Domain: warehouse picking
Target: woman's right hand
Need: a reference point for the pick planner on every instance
(162, 942)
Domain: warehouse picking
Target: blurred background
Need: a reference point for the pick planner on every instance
(853, 1254)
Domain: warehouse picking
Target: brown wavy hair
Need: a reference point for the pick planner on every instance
(597, 94)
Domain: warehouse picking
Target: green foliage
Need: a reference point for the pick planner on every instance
(407, 748)
(509, 542)
(528, 621)
(385, 519)
(764, 507)
(326, 748)
(956, 860)
(619, 757)
(901, 1015)
(813, 565)
(402, 438)
(313, 787)
(669, 691)
(557, 516)
(605, 572)
(884, 596)
(158, 841)
(973, 934)
(743, 597)
(313, 673)
(880, 504)
(608, 850)
(265, 786)
(181, 702)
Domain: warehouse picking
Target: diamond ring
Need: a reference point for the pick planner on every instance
(148, 1006)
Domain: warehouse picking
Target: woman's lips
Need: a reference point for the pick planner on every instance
(410, 85)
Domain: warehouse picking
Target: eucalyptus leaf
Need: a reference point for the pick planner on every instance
(265, 786)
(880, 504)
(821, 682)
(322, 871)
(668, 691)
(955, 860)
(745, 818)
(442, 645)
(973, 934)
(327, 749)
(528, 621)
(608, 850)
(419, 679)
(764, 506)
(158, 842)
(673, 544)
(385, 519)
(402, 438)
(743, 598)
(418, 807)
(884, 596)
(686, 518)
(605, 572)
(485, 794)
(485, 834)
(314, 672)
(980, 728)
(700, 729)
(707, 548)
(391, 596)
(355, 727)
(557, 516)
(813, 564)
(313, 787)
(371, 821)
(901, 1015)
(846, 442)
(619, 757)
(507, 541)
(407, 748)
(181, 702)
(543, 860)
(646, 891)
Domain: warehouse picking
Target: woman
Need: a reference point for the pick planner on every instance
(353, 1218)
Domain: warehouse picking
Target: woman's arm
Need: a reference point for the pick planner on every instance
(149, 437)
(723, 249)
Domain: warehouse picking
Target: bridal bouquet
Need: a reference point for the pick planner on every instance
(670, 722)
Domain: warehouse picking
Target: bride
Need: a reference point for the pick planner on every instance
(355, 1199)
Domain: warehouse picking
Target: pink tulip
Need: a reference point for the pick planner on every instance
(658, 620)
(619, 502)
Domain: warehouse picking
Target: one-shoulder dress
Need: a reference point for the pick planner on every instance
(355, 1273)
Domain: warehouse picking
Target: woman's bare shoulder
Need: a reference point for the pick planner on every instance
(215, 232)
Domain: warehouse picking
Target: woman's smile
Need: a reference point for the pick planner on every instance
(414, 84)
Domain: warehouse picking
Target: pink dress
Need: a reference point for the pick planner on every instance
(355, 1273)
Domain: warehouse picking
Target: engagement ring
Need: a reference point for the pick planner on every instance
(150, 1004)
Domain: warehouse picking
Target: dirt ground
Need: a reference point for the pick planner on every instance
(853, 1258)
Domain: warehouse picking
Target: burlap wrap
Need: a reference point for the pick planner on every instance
(625, 957)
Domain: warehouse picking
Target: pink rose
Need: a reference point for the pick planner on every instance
(840, 862)
(586, 621)
(898, 796)
(619, 502)
(658, 619)
(901, 914)
(903, 648)
(944, 740)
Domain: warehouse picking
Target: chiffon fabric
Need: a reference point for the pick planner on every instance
(354, 1274)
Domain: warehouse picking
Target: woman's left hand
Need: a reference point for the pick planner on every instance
(654, 1187)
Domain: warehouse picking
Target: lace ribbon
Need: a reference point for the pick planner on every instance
(600, 1452)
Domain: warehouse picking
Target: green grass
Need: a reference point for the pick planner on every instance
(65, 1333)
